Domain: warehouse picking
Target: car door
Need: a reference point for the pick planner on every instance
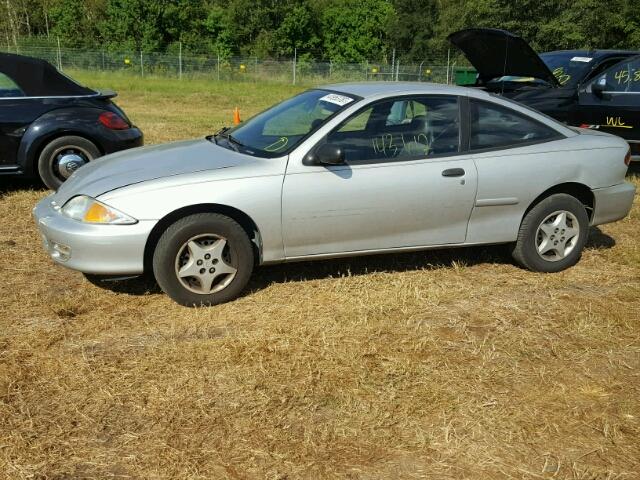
(10, 97)
(17, 111)
(404, 183)
(611, 101)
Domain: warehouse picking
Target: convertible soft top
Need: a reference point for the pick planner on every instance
(38, 78)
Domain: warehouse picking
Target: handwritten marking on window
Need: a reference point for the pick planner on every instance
(627, 76)
(392, 146)
(277, 145)
(561, 76)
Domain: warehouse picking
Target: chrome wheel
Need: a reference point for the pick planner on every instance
(557, 235)
(68, 159)
(203, 264)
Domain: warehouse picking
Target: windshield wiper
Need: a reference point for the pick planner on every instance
(231, 140)
(234, 141)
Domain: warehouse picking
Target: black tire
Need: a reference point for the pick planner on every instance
(238, 253)
(47, 168)
(525, 250)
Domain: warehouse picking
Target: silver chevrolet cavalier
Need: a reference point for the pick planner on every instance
(342, 170)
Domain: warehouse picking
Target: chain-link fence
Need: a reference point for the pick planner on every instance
(440, 68)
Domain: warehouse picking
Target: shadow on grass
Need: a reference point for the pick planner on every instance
(393, 262)
(10, 184)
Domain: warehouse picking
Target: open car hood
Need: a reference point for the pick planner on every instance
(495, 53)
(38, 78)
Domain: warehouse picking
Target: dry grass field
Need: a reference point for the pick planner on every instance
(438, 365)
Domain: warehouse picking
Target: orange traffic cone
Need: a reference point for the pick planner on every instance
(236, 116)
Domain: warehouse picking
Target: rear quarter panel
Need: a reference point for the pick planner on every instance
(510, 180)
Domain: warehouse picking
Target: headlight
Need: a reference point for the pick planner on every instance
(89, 210)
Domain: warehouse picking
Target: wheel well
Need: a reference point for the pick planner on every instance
(53, 136)
(577, 190)
(247, 224)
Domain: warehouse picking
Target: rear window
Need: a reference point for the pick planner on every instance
(9, 88)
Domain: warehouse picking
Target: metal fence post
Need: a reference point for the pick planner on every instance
(295, 60)
(59, 55)
(141, 65)
(330, 68)
(448, 57)
(180, 61)
(218, 66)
(393, 62)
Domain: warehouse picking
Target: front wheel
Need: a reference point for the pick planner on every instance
(552, 234)
(63, 156)
(203, 259)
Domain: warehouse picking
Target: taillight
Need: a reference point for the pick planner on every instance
(113, 121)
(627, 158)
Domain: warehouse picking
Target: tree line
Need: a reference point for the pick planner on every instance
(337, 30)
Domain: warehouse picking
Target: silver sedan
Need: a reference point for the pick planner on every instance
(343, 170)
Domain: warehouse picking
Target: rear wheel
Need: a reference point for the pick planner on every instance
(203, 259)
(552, 234)
(63, 156)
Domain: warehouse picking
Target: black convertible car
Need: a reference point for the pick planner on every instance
(597, 89)
(50, 125)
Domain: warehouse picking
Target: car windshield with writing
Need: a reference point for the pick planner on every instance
(568, 67)
(278, 130)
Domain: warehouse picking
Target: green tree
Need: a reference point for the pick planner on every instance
(133, 24)
(219, 32)
(355, 31)
(297, 30)
(412, 28)
(74, 22)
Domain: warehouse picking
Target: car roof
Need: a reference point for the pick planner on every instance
(372, 89)
(380, 89)
(595, 53)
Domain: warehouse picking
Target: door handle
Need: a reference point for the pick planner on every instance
(453, 172)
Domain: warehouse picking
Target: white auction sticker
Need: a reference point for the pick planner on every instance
(581, 59)
(337, 99)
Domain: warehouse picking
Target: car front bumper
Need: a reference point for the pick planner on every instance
(96, 249)
(612, 203)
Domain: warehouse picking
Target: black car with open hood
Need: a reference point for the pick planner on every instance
(50, 125)
(497, 53)
(563, 84)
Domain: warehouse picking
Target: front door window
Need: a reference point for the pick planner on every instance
(400, 129)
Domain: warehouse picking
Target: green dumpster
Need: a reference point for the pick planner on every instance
(465, 76)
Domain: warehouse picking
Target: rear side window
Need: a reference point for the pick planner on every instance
(9, 88)
(622, 78)
(494, 126)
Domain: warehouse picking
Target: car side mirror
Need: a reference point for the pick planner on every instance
(326, 154)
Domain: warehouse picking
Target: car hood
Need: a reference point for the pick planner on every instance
(147, 163)
(495, 53)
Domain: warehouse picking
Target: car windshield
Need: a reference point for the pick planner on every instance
(568, 67)
(278, 130)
